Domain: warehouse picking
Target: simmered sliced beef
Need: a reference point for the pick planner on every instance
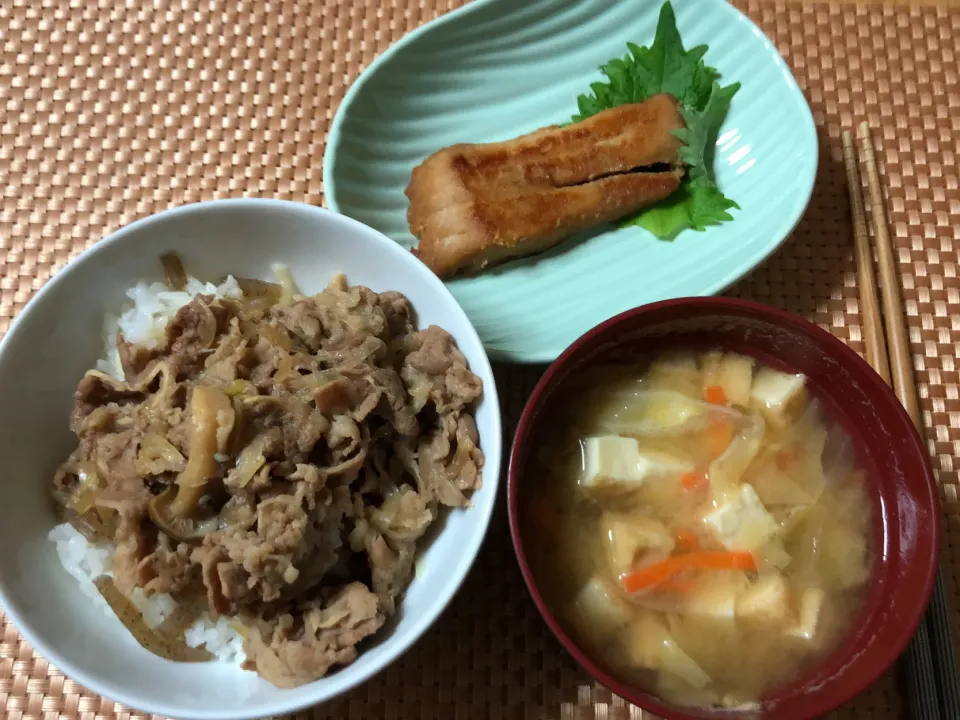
(388, 535)
(255, 567)
(394, 404)
(131, 548)
(133, 358)
(97, 391)
(273, 457)
(435, 370)
(450, 461)
(404, 515)
(301, 646)
(168, 569)
(396, 308)
(191, 334)
(391, 569)
(231, 359)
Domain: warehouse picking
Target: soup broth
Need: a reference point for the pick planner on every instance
(699, 526)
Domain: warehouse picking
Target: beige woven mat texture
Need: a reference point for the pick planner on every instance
(112, 110)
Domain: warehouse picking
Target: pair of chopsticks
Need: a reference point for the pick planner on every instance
(929, 664)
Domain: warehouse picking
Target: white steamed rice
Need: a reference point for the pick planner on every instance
(143, 321)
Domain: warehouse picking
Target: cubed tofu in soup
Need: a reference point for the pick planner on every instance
(743, 523)
(717, 549)
(615, 461)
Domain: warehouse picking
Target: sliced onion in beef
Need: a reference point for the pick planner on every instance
(168, 645)
(287, 284)
(206, 324)
(240, 387)
(276, 336)
(258, 295)
(109, 380)
(239, 511)
(173, 272)
(212, 417)
(249, 462)
(184, 529)
(84, 495)
(91, 525)
(158, 455)
(254, 289)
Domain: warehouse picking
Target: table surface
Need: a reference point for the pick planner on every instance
(110, 111)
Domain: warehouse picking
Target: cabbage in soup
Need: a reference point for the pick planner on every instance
(699, 526)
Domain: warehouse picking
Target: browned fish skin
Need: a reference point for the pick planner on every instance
(474, 206)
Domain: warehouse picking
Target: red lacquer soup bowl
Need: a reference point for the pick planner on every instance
(906, 517)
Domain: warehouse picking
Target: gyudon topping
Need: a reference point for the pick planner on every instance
(275, 459)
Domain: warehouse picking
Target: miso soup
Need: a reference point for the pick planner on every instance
(699, 526)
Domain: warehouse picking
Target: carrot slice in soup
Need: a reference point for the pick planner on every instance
(719, 436)
(715, 395)
(692, 480)
(655, 574)
(687, 541)
(785, 458)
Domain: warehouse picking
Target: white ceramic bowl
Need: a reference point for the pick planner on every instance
(58, 336)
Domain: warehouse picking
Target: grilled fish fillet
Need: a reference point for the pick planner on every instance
(474, 206)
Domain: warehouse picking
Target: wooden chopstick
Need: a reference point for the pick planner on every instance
(937, 618)
(898, 343)
(916, 663)
(933, 686)
(872, 325)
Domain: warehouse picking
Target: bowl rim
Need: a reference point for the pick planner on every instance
(814, 706)
(452, 582)
(552, 352)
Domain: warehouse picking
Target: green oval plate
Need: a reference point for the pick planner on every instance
(496, 69)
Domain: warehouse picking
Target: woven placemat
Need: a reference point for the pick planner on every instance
(111, 110)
